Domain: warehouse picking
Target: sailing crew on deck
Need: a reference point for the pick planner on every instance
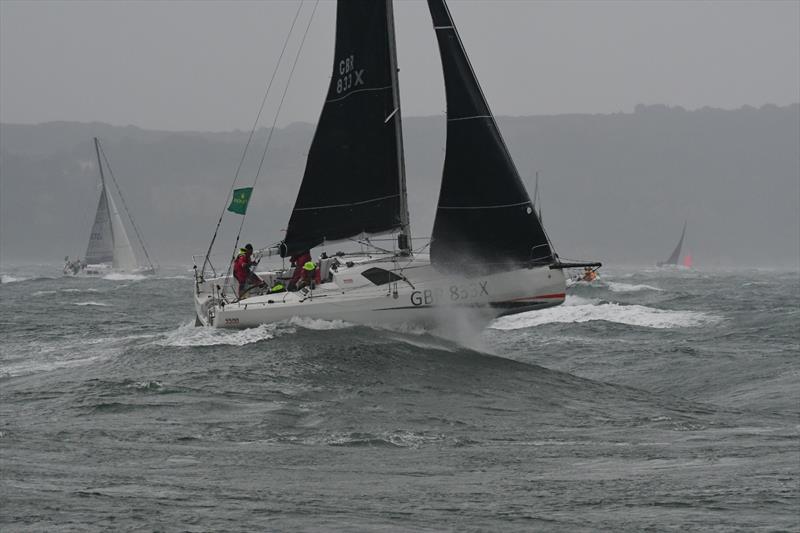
(242, 271)
(308, 278)
(297, 261)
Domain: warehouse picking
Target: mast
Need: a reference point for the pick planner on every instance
(103, 182)
(404, 240)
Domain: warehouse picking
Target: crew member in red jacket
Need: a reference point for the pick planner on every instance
(242, 271)
(298, 261)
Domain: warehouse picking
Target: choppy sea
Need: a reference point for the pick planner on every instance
(651, 400)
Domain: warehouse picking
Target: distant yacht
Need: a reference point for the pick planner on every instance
(674, 258)
(109, 248)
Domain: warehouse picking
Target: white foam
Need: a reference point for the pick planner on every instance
(318, 323)
(11, 279)
(43, 293)
(32, 367)
(116, 276)
(95, 304)
(80, 290)
(189, 335)
(628, 287)
(578, 310)
(47, 293)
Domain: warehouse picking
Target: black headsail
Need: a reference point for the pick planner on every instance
(355, 180)
(485, 219)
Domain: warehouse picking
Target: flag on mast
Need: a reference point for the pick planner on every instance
(241, 197)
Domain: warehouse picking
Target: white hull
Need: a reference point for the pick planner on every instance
(104, 269)
(428, 297)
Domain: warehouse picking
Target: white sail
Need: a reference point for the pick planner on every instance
(124, 258)
(101, 240)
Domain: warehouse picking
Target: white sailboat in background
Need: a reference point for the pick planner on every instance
(109, 248)
(489, 254)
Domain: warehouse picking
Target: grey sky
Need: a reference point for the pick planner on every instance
(195, 65)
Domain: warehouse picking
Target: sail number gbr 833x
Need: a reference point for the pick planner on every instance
(454, 293)
(349, 77)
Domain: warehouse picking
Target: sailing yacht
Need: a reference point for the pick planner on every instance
(109, 248)
(488, 255)
(674, 258)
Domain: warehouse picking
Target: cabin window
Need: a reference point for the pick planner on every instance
(379, 276)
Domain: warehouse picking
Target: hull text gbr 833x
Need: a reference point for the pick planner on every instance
(488, 252)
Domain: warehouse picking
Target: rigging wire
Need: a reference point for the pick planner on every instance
(125, 205)
(274, 122)
(252, 133)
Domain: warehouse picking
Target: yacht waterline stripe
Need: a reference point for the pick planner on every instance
(359, 91)
(346, 205)
(483, 206)
(555, 296)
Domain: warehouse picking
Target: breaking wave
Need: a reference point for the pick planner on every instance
(11, 279)
(94, 304)
(188, 335)
(393, 439)
(318, 323)
(47, 293)
(43, 293)
(616, 286)
(577, 310)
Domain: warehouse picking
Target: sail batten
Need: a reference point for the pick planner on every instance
(352, 181)
(485, 218)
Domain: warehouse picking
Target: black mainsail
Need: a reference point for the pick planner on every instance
(485, 219)
(354, 182)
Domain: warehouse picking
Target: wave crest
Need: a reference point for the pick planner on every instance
(318, 323)
(577, 310)
(11, 279)
(189, 335)
(616, 286)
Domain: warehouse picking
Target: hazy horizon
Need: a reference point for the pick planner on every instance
(614, 188)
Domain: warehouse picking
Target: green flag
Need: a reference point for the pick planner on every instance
(240, 199)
